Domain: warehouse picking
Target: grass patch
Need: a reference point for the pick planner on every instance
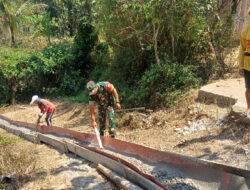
(15, 159)
(6, 141)
(130, 120)
(2, 186)
(80, 98)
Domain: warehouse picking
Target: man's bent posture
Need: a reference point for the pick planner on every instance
(106, 96)
(45, 107)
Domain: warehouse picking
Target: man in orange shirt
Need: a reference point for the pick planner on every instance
(45, 107)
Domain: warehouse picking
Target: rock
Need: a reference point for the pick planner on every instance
(186, 128)
(9, 178)
(13, 176)
(185, 133)
(240, 151)
(34, 152)
(5, 179)
(177, 129)
(202, 128)
(194, 129)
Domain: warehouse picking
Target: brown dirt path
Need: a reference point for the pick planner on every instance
(219, 136)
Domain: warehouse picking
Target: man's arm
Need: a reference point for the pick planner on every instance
(42, 112)
(45, 106)
(110, 87)
(92, 114)
(118, 105)
(241, 54)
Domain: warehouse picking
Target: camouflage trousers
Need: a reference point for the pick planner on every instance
(103, 113)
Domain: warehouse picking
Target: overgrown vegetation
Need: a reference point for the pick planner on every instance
(152, 51)
(14, 160)
(6, 141)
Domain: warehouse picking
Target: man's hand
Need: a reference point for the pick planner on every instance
(94, 124)
(241, 72)
(118, 105)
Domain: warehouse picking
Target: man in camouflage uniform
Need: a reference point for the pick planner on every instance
(106, 96)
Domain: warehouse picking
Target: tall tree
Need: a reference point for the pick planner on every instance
(11, 12)
(44, 28)
(220, 19)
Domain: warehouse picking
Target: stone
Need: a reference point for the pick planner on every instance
(177, 129)
(240, 151)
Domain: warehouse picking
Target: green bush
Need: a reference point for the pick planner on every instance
(50, 72)
(13, 69)
(72, 83)
(83, 45)
(56, 72)
(164, 87)
(160, 87)
(81, 97)
(101, 54)
(6, 141)
(5, 93)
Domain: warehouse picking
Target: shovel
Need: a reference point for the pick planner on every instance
(98, 138)
(37, 123)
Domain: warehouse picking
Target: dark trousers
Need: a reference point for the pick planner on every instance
(247, 78)
(48, 118)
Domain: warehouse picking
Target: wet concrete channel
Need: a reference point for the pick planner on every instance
(173, 171)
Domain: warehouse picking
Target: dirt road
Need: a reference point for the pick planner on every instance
(194, 129)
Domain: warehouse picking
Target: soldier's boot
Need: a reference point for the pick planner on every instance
(112, 133)
(102, 133)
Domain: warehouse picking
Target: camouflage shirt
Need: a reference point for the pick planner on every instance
(104, 95)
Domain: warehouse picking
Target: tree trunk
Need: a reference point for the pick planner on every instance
(12, 36)
(156, 31)
(49, 39)
(172, 31)
(70, 17)
(218, 58)
(87, 8)
(13, 94)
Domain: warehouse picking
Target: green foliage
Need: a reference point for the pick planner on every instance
(44, 27)
(101, 54)
(6, 141)
(71, 83)
(2, 186)
(14, 69)
(47, 73)
(80, 98)
(55, 70)
(144, 35)
(154, 87)
(5, 93)
(15, 12)
(84, 42)
(164, 87)
(152, 51)
(161, 88)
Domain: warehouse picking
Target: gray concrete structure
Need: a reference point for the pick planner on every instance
(227, 93)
